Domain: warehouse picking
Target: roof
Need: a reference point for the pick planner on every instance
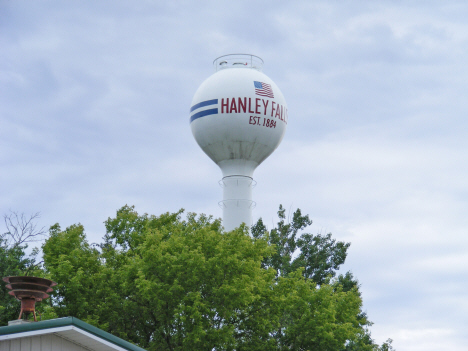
(72, 329)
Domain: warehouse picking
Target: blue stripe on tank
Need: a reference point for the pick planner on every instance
(212, 111)
(204, 103)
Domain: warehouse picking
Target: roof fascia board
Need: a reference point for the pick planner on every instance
(34, 333)
(56, 325)
(99, 339)
(57, 331)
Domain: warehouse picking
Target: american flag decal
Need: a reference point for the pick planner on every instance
(263, 89)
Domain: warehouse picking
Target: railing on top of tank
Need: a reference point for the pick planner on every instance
(238, 61)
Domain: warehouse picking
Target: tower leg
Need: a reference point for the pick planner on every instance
(237, 201)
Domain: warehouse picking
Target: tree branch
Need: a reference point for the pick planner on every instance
(22, 229)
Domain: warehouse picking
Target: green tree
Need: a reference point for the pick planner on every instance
(315, 258)
(76, 266)
(167, 283)
(316, 317)
(320, 256)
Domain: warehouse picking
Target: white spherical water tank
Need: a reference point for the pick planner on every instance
(238, 117)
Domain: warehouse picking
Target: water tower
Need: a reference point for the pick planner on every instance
(238, 117)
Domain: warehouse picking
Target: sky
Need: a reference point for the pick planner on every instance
(94, 115)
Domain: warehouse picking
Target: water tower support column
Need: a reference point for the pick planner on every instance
(237, 201)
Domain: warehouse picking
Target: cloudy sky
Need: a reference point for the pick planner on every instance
(94, 114)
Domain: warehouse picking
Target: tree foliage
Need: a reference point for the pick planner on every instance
(319, 256)
(168, 283)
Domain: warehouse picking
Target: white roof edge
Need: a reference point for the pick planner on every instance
(97, 338)
(57, 331)
(35, 333)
